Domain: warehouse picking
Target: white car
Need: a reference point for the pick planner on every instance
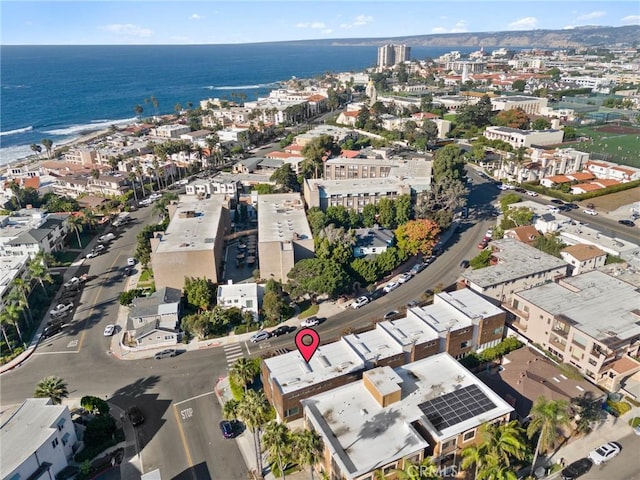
(109, 329)
(553, 209)
(390, 287)
(404, 278)
(258, 337)
(532, 194)
(73, 282)
(604, 452)
(502, 186)
(489, 233)
(61, 308)
(589, 211)
(131, 261)
(310, 322)
(360, 302)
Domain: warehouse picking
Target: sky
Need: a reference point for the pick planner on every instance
(89, 22)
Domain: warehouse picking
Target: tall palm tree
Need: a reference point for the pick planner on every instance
(52, 387)
(254, 411)
(547, 416)
(20, 295)
(244, 371)
(307, 449)
(4, 320)
(39, 270)
(277, 439)
(11, 315)
(76, 223)
(495, 469)
(89, 218)
(474, 455)
(506, 442)
(155, 164)
(230, 409)
(138, 170)
(132, 178)
(47, 144)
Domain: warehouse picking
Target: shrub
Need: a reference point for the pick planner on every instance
(237, 390)
(620, 407)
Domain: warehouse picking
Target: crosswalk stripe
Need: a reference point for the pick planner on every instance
(235, 356)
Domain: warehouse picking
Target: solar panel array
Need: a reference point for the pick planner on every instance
(455, 407)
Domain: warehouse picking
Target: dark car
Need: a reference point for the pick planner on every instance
(135, 415)
(572, 206)
(464, 263)
(281, 330)
(557, 202)
(52, 328)
(576, 469)
(628, 223)
(520, 190)
(227, 429)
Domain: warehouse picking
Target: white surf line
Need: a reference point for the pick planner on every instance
(192, 398)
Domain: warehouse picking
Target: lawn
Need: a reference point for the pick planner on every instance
(145, 276)
(615, 147)
(307, 309)
(65, 258)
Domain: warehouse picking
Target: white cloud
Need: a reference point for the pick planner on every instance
(359, 21)
(313, 25)
(327, 31)
(459, 27)
(438, 30)
(630, 20)
(196, 16)
(592, 15)
(127, 29)
(525, 23)
(568, 27)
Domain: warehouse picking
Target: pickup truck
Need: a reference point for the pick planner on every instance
(75, 282)
(106, 238)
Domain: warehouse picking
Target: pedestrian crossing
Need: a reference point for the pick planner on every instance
(233, 352)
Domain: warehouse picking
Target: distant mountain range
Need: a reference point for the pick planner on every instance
(576, 37)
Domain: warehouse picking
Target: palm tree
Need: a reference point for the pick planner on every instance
(230, 409)
(244, 371)
(89, 218)
(132, 178)
(547, 416)
(426, 470)
(138, 109)
(155, 164)
(20, 295)
(52, 387)
(36, 149)
(138, 170)
(307, 449)
(16, 190)
(4, 320)
(76, 223)
(11, 314)
(495, 469)
(47, 144)
(254, 411)
(39, 270)
(474, 455)
(504, 441)
(277, 439)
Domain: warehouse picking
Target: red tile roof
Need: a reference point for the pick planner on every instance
(559, 179)
(587, 187)
(349, 153)
(581, 176)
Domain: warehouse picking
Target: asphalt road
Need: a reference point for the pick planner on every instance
(625, 466)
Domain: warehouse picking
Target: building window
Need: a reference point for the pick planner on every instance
(464, 344)
(55, 443)
(498, 330)
(389, 468)
(470, 435)
(291, 412)
(65, 438)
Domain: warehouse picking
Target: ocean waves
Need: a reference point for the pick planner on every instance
(89, 127)
(243, 87)
(16, 131)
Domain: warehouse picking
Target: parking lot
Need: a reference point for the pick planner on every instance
(241, 259)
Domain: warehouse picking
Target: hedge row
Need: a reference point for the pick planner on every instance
(492, 353)
(568, 197)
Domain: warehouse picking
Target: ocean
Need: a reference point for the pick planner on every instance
(61, 92)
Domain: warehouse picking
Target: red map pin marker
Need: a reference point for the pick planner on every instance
(312, 339)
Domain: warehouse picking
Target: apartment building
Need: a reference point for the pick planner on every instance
(524, 138)
(171, 131)
(515, 266)
(431, 407)
(11, 267)
(589, 320)
(613, 171)
(215, 186)
(245, 296)
(390, 55)
(583, 258)
(81, 156)
(457, 323)
(284, 235)
(530, 105)
(193, 243)
(29, 231)
(75, 185)
(459, 66)
(38, 441)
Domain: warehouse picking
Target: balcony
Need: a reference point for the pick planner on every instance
(559, 331)
(558, 342)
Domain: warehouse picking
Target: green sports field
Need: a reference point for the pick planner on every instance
(615, 143)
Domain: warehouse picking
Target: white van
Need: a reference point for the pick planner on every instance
(106, 238)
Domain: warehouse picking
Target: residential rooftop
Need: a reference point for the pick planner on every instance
(26, 430)
(291, 372)
(587, 299)
(281, 217)
(370, 186)
(363, 436)
(374, 345)
(10, 268)
(194, 225)
(516, 260)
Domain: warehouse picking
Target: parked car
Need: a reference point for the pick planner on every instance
(390, 314)
(281, 330)
(404, 278)
(489, 233)
(464, 263)
(52, 328)
(413, 304)
(310, 322)
(127, 271)
(418, 267)
(135, 415)
(360, 302)
(106, 238)
(61, 308)
(588, 211)
(557, 202)
(553, 209)
(260, 336)
(532, 194)
(227, 429)
(97, 250)
(628, 223)
(75, 282)
(109, 329)
(390, 287)
(576, 469)
(131, 261)
(483, 244)
(572, 206)
(522, 190)
(170, 352)
(604, 453)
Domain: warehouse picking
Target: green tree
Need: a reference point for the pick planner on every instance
(230, 409)
(47, 144)
(138, 109)
(540, 124)
(277, 441)
(481, 260)
(386, 212)
(506, 441)
(495, 469)
(474, 456)
(369, 214)
(337, 215)
(508, 199)
(449, 163)
(417, 237)
(367, 270)
(254, 410)
(286, 178)
(547, 418)
(550, 243)
(317, 220)
(264, 188)
(94, 405)
(273, 306)
(76, 223)
(36, 149)
(516, 217)
(244, 370)
(52, 387)
(199, 292)
(10, 314)
(307, 449)
(403, 209)
(518, 85)
(315, 276)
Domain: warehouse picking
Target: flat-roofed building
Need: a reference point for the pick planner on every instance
(530, 105)
(589, 321)
(81, 156)
(377, 347)
(392, 416)
(193, 243)
(516, 266)
(524, 138)
(171, 131)
(38, 441)
(11, 267)
(284, 235)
